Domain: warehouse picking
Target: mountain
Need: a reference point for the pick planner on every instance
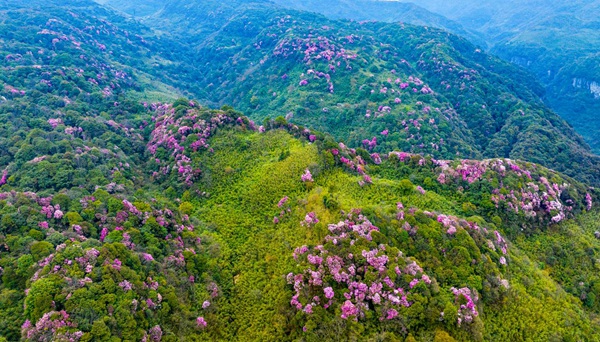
(432, 92)
(194, 241)
(556, 40)
(126, 218)
(334, 9)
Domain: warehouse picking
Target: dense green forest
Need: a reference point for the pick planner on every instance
(129, 212)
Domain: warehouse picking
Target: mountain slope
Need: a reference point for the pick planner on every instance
(338, 9)
(251, 55)
(174, 253)
(556, 40)
(260, 62)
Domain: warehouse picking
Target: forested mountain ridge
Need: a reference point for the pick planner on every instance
(557, 41)
(125, 218)
(356, 10)
(245, 65)
(205, 230)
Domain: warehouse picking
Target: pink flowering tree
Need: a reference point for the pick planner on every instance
(353, 276)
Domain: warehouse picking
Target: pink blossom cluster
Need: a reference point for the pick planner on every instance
(336, 276)
(536, 198)
(352, 161)
(317, 52)
(588, 200)
(201, 322)
(126, 285)
(306, 176)
(53, 326)
(4, 177)
(52, 211)
(282, 201)
(310, 220)
(54, 122)
(370, 144)
(173, 131)
(153, 335)
(467, 301)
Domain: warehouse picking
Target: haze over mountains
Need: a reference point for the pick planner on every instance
(360, 181)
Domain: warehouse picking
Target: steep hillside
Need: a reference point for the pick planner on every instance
(335, 9)
(556, 40)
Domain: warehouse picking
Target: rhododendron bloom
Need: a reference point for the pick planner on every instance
(391, 314)
(4, 177)
(282, 201)
(328, 292)
(349, 309)
(201, 322)
(103, 234)
(307, 176)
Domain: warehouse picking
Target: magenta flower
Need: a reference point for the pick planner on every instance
(349, 309)
(588, 201)
(307, 176)
(58, 214)
(282, 201)
(54, 122)
(391, 314)
(310, 220)
(147, 257)
(4, 177)
(201, 322)
(155, 333)
(328, 292)
(126, 285)
(103, 234)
